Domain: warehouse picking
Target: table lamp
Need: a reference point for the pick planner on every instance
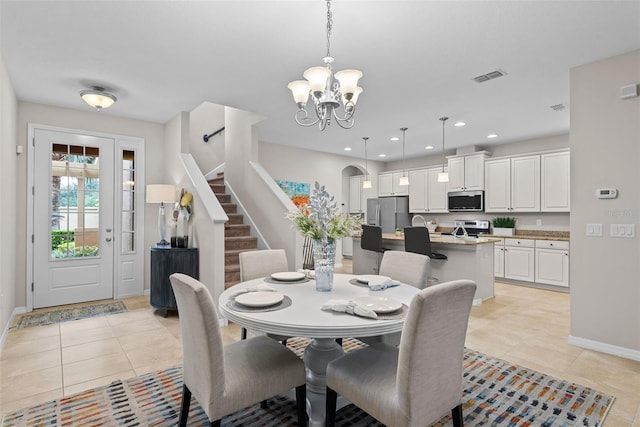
(161, 193)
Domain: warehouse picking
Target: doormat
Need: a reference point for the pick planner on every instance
(68, 314)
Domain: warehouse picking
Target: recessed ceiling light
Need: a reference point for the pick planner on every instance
(492, 135)
(459, 124)
(395, 138)
(347, 148)
(429, 147)
(382, 155)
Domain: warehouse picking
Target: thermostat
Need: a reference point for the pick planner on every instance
(607, 193)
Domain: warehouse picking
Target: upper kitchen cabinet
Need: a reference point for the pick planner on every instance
(512, 184)
(389, 185)
(555, 191)
(466, 172)
(426, 194)
(357, 195)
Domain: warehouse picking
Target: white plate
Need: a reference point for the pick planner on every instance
(259, 299)
(287, 276)
(379, 304)
(373, 278)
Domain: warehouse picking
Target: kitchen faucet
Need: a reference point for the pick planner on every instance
(413, 220)
(459, 226)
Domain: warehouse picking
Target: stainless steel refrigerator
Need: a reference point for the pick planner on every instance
(389, 213)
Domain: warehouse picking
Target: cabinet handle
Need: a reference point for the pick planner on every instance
(550, 244)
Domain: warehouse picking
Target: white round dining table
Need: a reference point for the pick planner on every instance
(304, 318)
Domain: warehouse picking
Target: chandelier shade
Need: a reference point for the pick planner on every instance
(327, 90)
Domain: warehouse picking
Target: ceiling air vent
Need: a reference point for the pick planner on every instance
(558, 107)
(489, 76)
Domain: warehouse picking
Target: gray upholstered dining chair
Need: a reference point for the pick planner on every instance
(419, 382)
(225, 379)
(262, 263)
(406, 267)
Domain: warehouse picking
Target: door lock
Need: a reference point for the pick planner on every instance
(108, 239)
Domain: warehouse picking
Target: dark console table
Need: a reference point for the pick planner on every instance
(165, 262)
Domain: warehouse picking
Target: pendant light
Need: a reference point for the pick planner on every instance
(404, 179)
(367, 182)
(443, 176)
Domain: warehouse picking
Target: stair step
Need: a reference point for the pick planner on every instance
(229, 207)
(232, 256)
(231, 273)
(241, 242)
(235, 230)
(218, 188)
(235, 218)
(217, 180)
(224, 198)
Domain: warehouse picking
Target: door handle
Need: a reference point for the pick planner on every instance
(108, 239)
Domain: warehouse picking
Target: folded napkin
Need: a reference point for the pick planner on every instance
(311, 274)
(378, 285)
(261, 287)
(349, 307)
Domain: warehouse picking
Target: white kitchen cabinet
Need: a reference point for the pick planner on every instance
(555, 186)
(512, 184)
(426, 194)
(357, 199)
(389, 185)
(498, 259)
(519, 259)
(552, 262)
(466, 172)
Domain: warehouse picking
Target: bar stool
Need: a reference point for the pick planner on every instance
(371, 240)
(416, 240)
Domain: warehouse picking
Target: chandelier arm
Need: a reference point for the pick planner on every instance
(345, 122)
(304, 119)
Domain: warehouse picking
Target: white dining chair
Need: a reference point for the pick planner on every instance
(225, 379)
(259, 264)
(405, 267)
(419, 382)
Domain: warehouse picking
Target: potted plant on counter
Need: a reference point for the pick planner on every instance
(503, 225)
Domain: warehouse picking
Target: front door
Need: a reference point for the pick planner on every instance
(73, 218)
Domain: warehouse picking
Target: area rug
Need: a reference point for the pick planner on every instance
(67, 314)
(496, 393)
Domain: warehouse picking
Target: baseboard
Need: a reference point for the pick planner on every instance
(615, 350)
(5, 332)
(147, 292)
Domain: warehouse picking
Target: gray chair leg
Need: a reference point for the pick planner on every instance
(215, 423)
(243, 333)
(456, 414)
(330, 409)
(184, 406)
(301, 405)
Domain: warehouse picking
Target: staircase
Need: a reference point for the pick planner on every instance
(237, 237)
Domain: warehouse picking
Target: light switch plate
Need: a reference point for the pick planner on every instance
(622, 230)
(594, 230)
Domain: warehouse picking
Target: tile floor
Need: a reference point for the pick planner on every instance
(523, 325)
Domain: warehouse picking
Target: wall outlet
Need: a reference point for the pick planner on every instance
(538, 222)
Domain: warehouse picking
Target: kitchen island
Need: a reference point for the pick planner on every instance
(467, 258)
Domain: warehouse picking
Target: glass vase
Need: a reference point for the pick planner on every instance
(324, 257)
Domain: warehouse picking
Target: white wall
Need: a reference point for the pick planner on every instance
(206, 119)
(89, 120)
(605, 152)
(10, 257)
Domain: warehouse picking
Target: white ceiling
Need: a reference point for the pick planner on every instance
(418, 59)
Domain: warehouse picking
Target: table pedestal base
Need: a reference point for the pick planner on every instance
(316, 357)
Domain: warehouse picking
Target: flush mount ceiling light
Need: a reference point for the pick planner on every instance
(327, 93)
(443, 176)
(404, 179)
(367, 182)
(98, 98)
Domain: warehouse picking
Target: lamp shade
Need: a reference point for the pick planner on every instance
(317, 77)
(98, 98)
(348, 81)
(300, 91)
(161, 193)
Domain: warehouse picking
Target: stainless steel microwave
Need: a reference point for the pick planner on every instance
(466, 201)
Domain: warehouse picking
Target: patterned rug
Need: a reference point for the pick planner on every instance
(67, 314)
(496, 393)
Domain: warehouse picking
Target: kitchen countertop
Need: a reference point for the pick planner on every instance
(450, 240)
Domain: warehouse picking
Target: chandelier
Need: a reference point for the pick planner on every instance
(327, 91)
